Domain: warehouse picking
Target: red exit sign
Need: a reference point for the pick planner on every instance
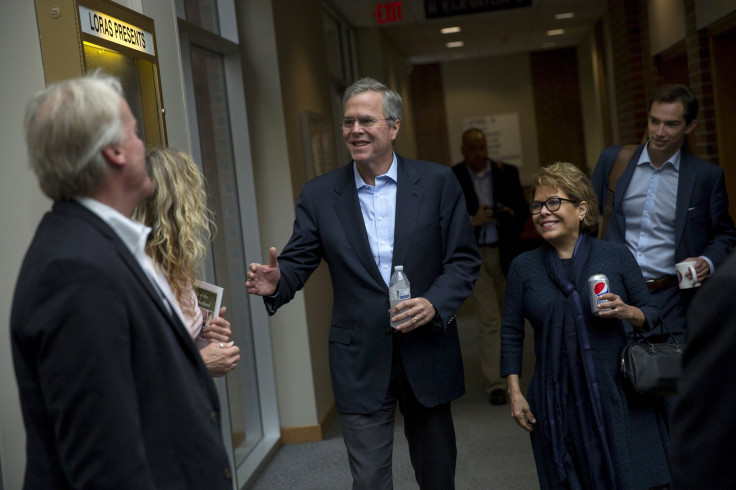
(388, 12)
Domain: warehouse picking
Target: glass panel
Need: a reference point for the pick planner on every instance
(213, 121)
(123, 67)
(203, 13)
(140, 88)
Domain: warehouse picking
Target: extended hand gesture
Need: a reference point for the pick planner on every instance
(263, 279)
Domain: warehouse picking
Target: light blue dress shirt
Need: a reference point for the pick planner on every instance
(483, 185)
(649, 206)
(378, 205)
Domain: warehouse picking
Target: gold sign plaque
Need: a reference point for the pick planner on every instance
(116, 31)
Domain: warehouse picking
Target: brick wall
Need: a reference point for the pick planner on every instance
(428, 113)
(557, 107)
(705, 141)
(635, 74)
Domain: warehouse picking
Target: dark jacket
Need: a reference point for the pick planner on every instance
(433, 241)
(507, 191)
(702, 223)
(114, 394)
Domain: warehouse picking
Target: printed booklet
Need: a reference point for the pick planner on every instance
(209, 298)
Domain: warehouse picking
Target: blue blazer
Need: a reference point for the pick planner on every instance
(702, 223)
(113, 392)
(434, 242)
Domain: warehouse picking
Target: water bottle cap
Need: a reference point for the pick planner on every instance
(399, 268)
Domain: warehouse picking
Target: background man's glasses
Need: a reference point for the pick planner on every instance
(363, 122)
(553, 204)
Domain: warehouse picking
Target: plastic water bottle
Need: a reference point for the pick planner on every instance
(398, 290)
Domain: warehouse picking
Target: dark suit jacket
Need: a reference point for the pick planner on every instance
(507, 191)
(113, 392)
(702, 223)
(433, 241)
(703, 435)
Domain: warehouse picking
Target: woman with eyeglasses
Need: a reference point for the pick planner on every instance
(588, 430)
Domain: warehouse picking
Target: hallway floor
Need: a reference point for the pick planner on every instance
(493, 452)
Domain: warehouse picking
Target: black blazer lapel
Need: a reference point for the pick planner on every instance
(408, 202)
(685, 186)
(348, 210)
(136, 270)
(176, 325)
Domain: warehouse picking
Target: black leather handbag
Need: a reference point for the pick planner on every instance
(652, 368)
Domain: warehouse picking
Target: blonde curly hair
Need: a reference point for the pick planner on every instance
(179, 219)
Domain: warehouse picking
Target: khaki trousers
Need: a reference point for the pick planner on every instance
(487, 300)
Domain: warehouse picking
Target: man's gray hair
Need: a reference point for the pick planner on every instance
(392, 105)
(67, 125)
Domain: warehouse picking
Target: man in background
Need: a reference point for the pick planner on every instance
(669, 206)
(113, 392)
(498, 209)
(362, 219)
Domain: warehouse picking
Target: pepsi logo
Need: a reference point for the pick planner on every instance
(600, 288)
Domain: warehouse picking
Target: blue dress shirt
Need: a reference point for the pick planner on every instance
(378, 205)
(483, 185)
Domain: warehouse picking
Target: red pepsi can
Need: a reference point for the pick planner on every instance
(598, 284)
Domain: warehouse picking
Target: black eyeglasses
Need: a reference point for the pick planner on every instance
(553, 204)
(363, 122)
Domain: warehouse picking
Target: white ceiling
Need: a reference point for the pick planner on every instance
(496, 33)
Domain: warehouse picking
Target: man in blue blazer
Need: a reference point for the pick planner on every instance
(362, 219)
(114, 393)
(669, 206)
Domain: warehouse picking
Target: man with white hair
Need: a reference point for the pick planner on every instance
(113, 392)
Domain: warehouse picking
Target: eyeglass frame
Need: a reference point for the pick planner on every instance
(372, 121)
(544, 204)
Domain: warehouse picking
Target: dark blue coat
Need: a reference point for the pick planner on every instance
(434, 242)
(702, 223)
(114, 394)
(634, 425)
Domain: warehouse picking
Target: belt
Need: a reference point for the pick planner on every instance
(488, 244)
(662, 282)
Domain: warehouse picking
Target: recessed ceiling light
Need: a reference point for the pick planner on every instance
(555, 32)
(566, 15)
(455, 44)
(450, 30)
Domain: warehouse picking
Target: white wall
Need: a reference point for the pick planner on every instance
(274, 195)
(21, 206)
(496, 85)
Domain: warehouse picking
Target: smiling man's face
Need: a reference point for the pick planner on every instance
(371, 146)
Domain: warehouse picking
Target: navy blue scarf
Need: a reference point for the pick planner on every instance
(569, 378)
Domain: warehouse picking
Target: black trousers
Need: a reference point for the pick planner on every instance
(429, 432)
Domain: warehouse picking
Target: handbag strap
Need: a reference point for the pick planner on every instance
(638, 335)
(619, 165)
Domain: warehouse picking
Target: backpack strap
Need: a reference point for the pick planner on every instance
(622, 159)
